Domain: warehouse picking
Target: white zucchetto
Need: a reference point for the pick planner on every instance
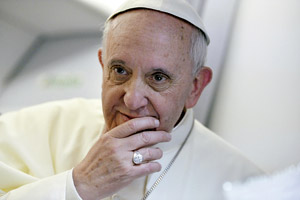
(177, 8)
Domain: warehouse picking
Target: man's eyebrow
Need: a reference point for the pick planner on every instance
(116, 62)
(161, 70)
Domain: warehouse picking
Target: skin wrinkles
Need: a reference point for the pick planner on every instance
(157, 78)
(145, 85)
(141, 53)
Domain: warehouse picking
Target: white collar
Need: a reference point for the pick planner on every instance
(179, 132)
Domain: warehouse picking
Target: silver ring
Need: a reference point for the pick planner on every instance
(137, 158)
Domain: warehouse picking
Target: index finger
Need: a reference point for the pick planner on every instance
(133, 126)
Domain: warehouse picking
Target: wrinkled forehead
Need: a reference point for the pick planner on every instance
(163, 38)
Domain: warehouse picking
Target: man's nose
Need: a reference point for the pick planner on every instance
(135, 96)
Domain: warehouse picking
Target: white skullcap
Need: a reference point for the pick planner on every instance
(177, 8)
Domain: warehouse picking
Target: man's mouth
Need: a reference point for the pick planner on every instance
(126, 118)
(129, 117)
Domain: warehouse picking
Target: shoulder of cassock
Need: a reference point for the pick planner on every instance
(235, 164)
(46, 139)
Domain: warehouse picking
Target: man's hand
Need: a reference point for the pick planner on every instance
(108, 166)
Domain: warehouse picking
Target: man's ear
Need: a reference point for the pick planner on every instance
(100, 57)
(201, 80)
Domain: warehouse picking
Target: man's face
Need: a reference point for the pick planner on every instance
(147, 70)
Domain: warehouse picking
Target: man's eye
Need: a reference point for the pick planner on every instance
(120, 70)
(159, 81)
(158, 77)
(118, 74)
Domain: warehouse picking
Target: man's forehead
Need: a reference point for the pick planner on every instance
(177, 8)
(159, 29)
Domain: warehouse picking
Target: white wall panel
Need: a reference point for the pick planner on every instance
(59, 69)
(14, 42)
(258, 103)
(217, 17)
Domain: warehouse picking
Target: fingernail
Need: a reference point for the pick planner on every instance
(156, 122)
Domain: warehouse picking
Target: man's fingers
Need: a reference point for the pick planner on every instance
(150, 154)
(146, 138)
(133, 126)
(146, 169)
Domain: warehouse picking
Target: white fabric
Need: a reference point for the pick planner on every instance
(39, 142)
(179, 8)
(204, 164)
(39, 146)
(283, 185)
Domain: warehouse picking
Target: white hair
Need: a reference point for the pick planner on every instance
(198, 49)
(198, 46)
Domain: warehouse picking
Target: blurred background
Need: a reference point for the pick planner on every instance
(48, 51)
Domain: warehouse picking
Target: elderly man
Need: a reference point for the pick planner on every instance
(152, 61)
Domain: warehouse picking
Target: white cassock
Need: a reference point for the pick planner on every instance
(40, 145)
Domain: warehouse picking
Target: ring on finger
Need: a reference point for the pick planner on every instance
(137, 158)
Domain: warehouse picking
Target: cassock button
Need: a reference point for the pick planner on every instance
(115, 197)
